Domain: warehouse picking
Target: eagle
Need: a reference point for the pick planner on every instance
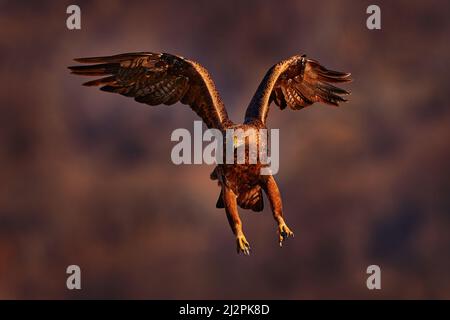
(165, 79)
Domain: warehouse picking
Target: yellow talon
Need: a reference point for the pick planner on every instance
(242, 245)
(284, 232)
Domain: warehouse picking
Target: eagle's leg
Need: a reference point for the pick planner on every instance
(271, 189)
(229, 199)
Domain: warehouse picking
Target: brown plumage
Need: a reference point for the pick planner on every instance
(157, 79)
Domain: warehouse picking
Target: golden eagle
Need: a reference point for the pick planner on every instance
(155, 79)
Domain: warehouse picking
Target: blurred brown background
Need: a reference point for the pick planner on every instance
(87, 177)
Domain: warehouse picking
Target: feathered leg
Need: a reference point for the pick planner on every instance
(229, 199)
(271, 189)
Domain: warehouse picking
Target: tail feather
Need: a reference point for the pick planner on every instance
(252, 199)
(220, 204)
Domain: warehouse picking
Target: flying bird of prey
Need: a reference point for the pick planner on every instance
(155, 79)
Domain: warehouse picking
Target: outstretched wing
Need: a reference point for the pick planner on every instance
(155, 79)
(296, 82)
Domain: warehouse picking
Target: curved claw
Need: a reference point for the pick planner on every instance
(284, 232)
(242, 245)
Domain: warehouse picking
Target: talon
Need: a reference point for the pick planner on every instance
(284, 232)
(242, 245)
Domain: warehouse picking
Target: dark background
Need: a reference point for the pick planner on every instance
(86, 176)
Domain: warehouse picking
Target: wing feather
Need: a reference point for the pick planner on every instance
(297, 82)
(155, 79)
